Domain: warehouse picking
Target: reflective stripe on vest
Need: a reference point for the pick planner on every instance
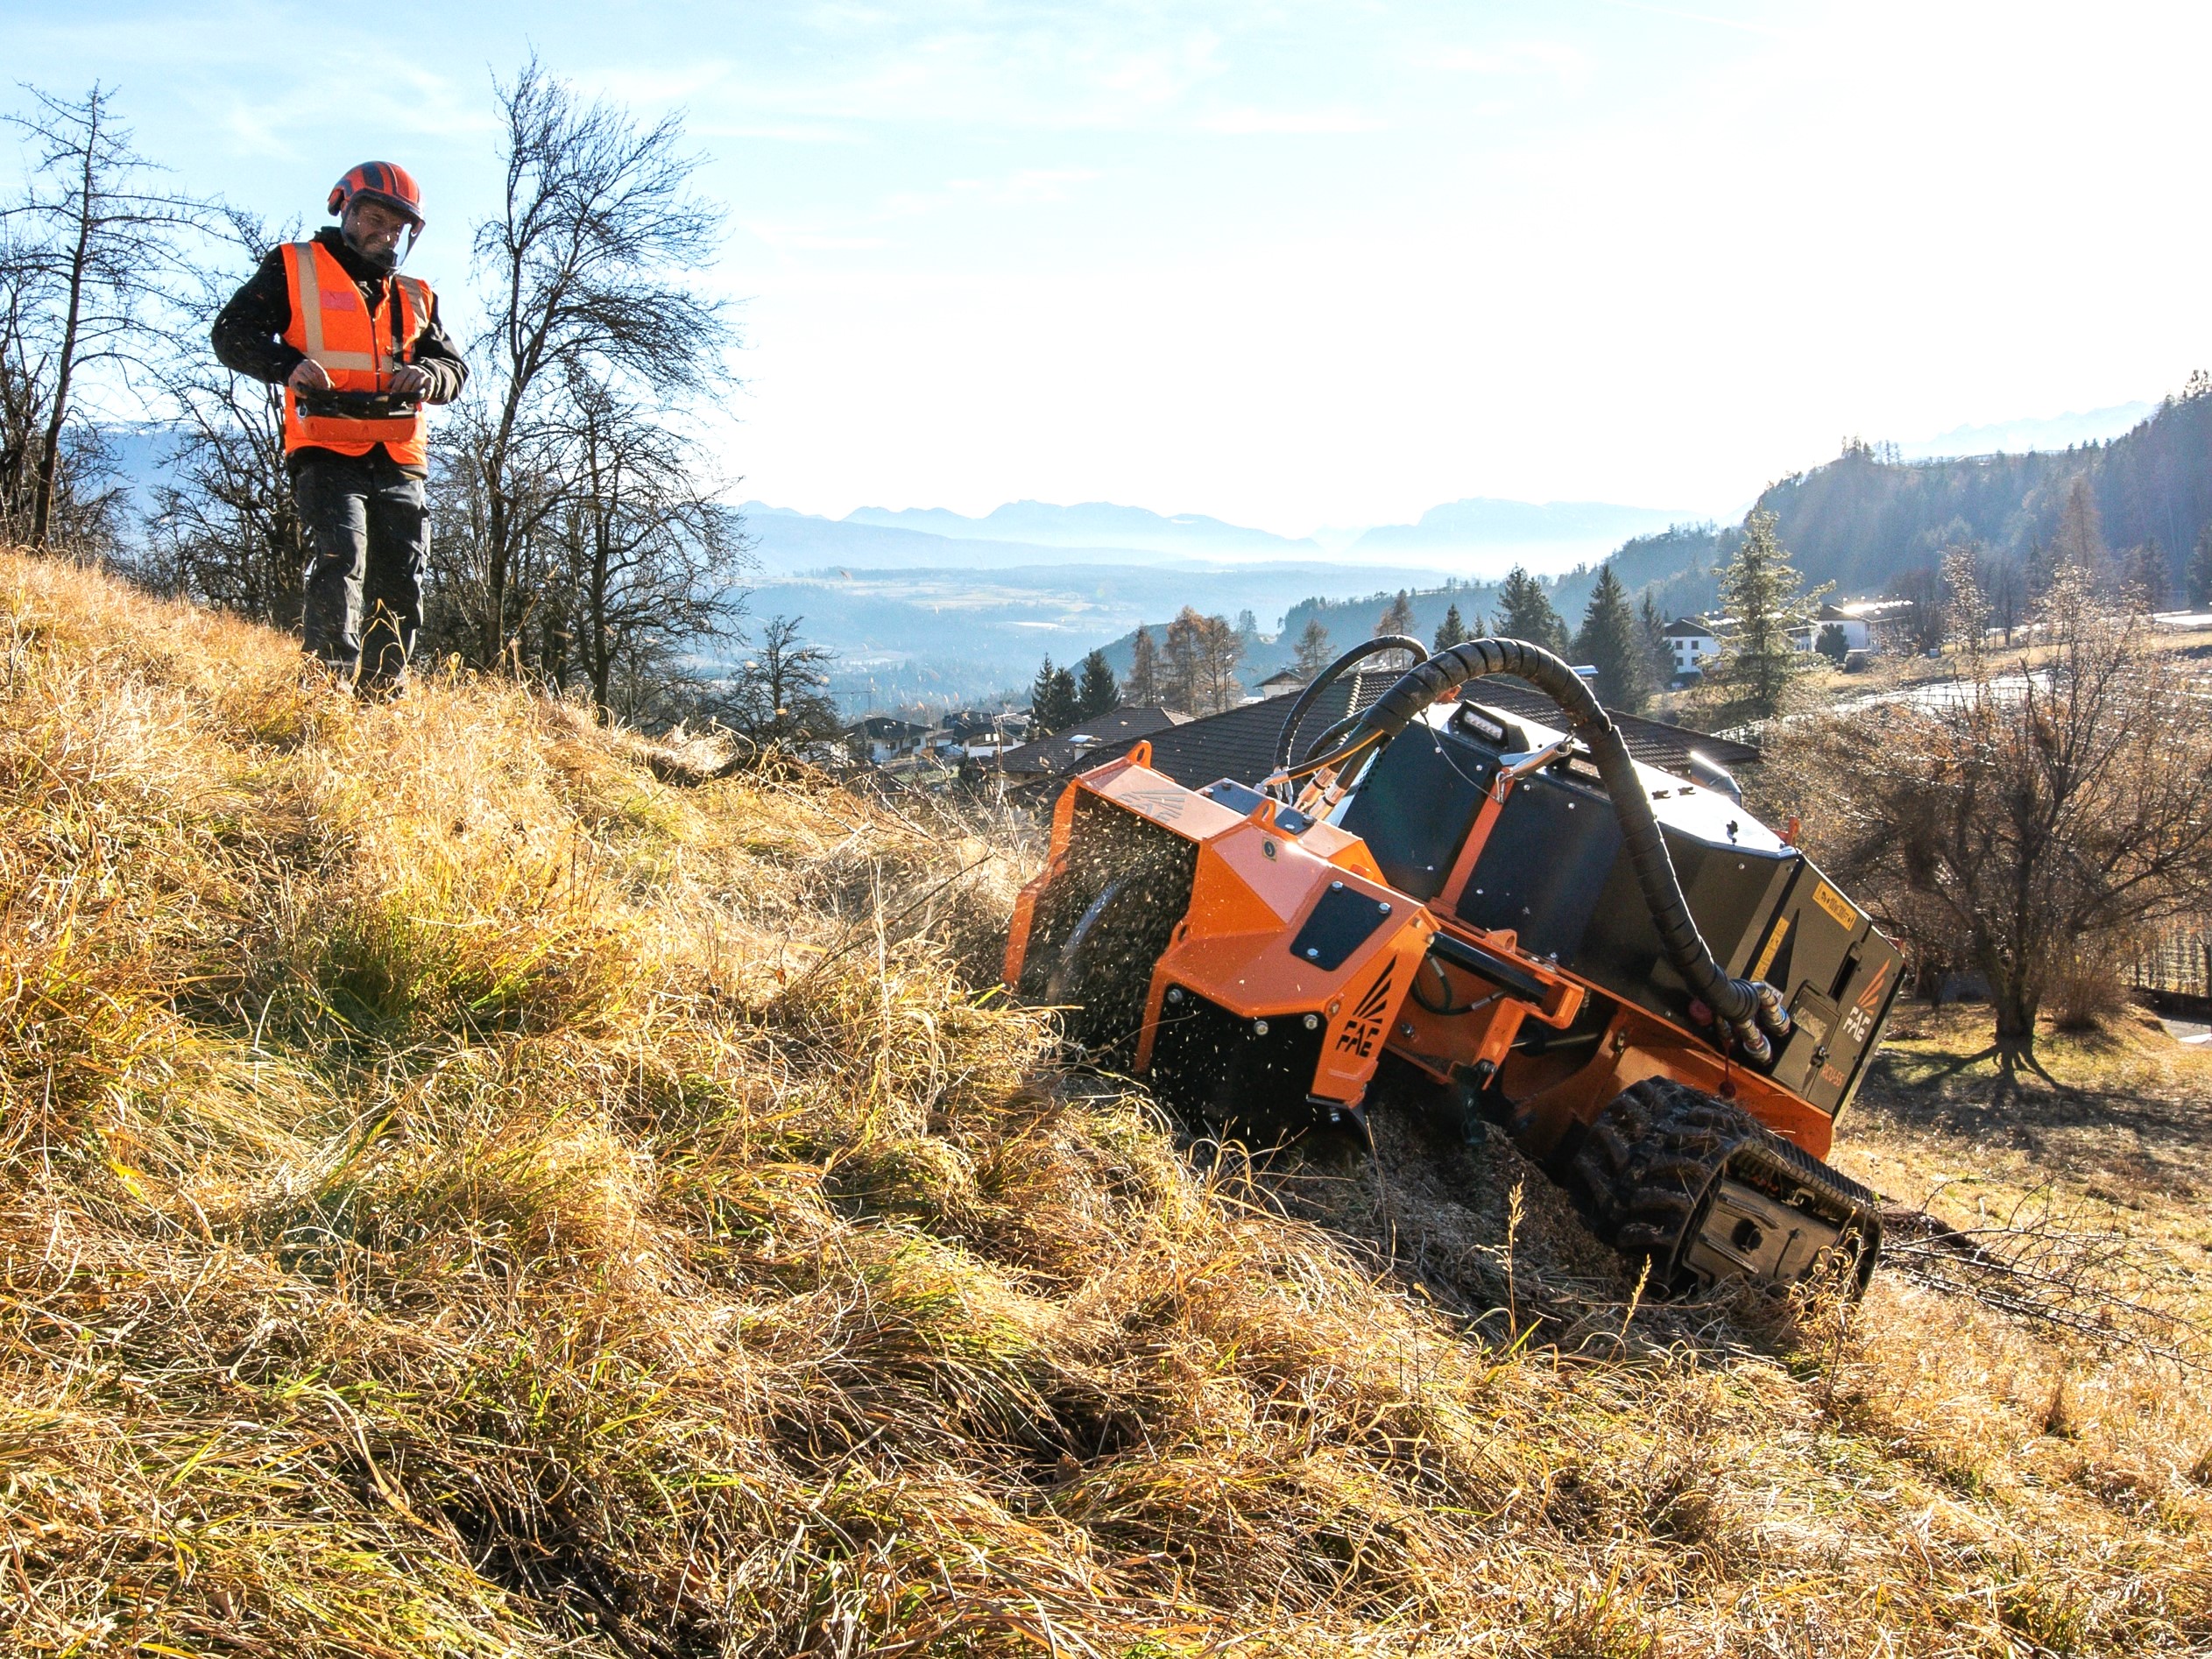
(332, 324)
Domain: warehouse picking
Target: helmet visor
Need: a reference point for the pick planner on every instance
(405, 211)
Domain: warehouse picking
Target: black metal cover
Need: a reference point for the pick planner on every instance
(1341, 920)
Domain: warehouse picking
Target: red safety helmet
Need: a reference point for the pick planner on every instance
(380, 181)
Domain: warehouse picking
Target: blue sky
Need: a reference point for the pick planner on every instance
(1303, 264)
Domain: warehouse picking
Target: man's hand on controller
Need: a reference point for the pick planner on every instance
(307, 376)
(410, 380)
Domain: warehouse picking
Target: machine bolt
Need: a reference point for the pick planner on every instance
(1336, 886)
(1405, 1027)
(1259, 1028)
(1384, 906)
(1175, 994)
(1268, 848)
(1313, 1022)
(1333, 1009)
(1313, 953)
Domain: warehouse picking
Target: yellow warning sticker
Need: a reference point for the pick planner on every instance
(1836, 904)
(1773, 944)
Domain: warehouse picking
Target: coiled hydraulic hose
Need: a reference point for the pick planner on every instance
(1326, 678)
(1745, 1005)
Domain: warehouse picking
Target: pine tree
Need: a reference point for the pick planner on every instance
(2200, 572)
(1052, 701)
(1397, 616)
(2081, 539)
(1314, 653)
(1182, 666)
(1524, 612)
(2145, 576)
(1143, 685)
(1609, 641)
(1658, 655)
(1451, 631)
(1098, 692)
(1761, 591)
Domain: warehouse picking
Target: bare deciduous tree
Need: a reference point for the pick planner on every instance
(646, 556)
(225, 528)
(1314, 650)
(1142, 685)
(780, 693)
(94, 250)
(587, 269)
(1199, 664)
(2020, 822)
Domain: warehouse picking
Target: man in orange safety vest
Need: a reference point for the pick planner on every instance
(359, 350)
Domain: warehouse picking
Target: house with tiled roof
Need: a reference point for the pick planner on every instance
(1085, 744)
(1693, 641)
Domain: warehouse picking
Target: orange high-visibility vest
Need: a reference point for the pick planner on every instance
(331, 323)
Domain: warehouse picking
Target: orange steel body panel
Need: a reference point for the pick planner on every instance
(1255, 885)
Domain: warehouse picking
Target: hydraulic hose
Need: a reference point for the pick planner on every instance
(1745, 1005)
(1326, 678)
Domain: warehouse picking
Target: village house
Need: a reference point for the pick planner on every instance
(1693, 642)
(1085, 745)
(882, 738)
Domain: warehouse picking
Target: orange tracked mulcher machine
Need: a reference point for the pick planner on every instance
(1661, 1002)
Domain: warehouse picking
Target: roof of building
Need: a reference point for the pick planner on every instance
(1288, 680)
(1240, 742)
(886, 726)
(1088, 742)
(963, 722)
(1688, 628)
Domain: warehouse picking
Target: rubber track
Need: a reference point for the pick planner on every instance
(1644, 1164)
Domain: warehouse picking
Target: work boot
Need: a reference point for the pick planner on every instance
(375, 689)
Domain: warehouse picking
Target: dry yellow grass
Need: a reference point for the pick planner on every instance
(461, 1196)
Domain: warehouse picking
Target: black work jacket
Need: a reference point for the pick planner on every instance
(249, 331)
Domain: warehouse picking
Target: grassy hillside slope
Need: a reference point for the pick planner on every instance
(462, 1195)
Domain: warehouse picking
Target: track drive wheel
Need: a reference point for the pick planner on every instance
(1704, 1192)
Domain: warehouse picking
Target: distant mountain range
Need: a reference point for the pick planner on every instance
(787, 543)
(2046, 432)
(1094, 523)
(1480, 536)
(962, 633)
(1483, 536)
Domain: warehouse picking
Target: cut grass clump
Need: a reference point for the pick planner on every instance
(472, 1184)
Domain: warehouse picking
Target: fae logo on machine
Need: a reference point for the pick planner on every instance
(1164, 804)
(1363, 1031)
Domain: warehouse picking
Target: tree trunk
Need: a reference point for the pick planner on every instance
(50, 456)
(2017, 1006)
(490, 628)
